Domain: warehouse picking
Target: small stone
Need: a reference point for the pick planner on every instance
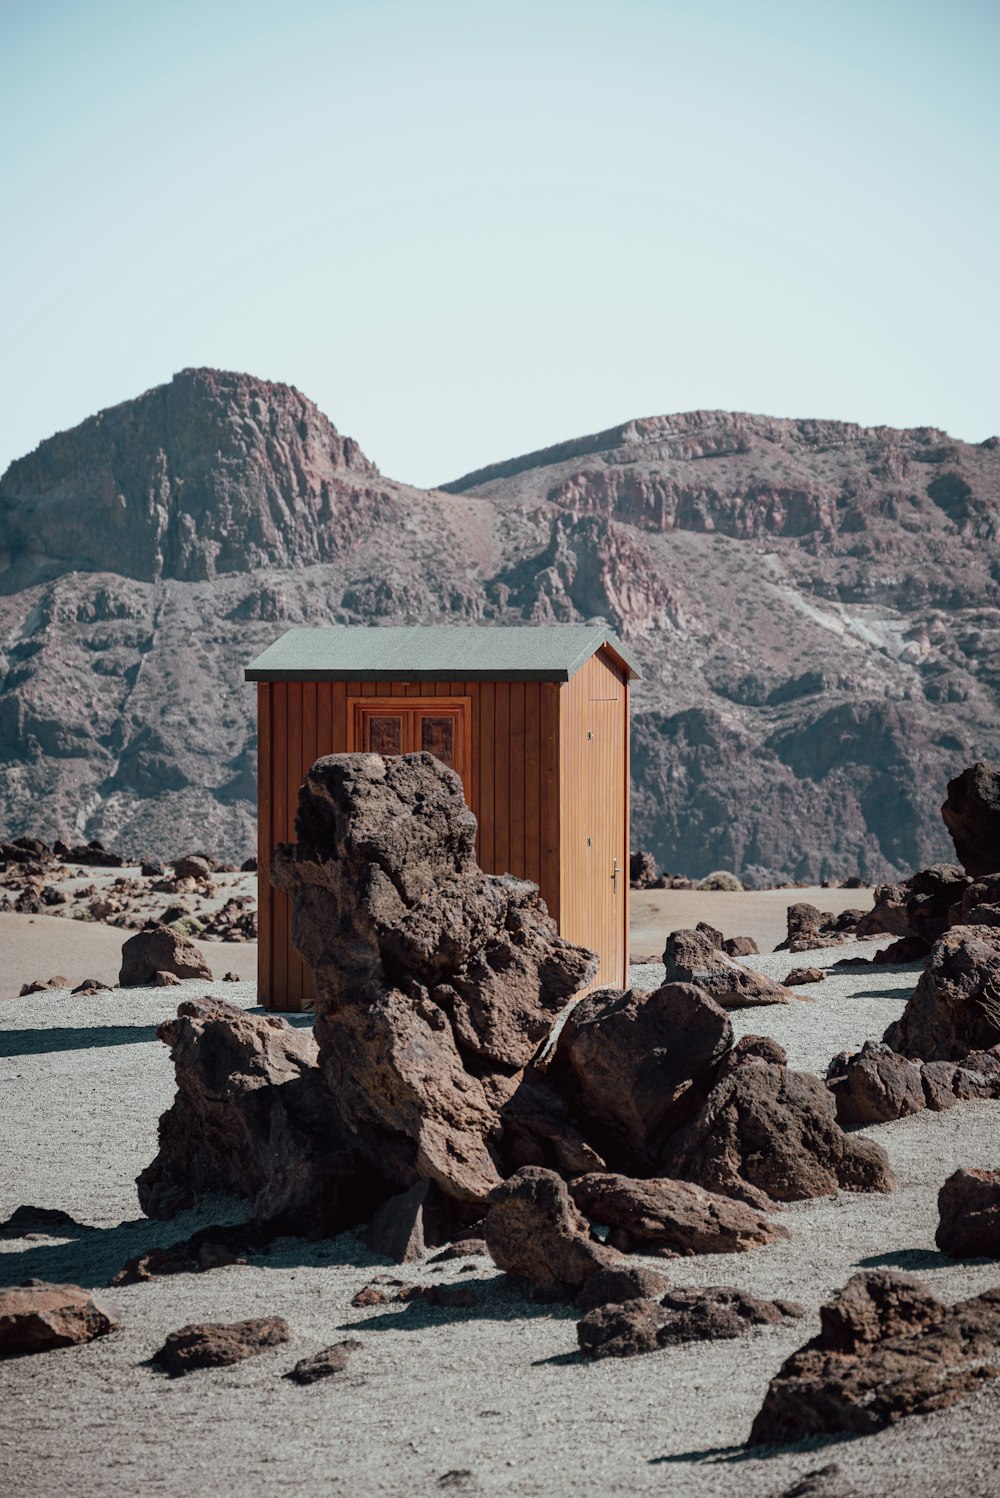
(324, 1364)
(800, 975)
(38, 1316)
(209, 1344)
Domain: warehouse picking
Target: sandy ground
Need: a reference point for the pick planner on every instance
(48, 946)
(497, 1391)
(756, 913)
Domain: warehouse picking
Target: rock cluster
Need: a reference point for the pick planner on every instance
(887, 1348)
(622, 1330)
(877, 1084)
(429, 1093)
(809, 928)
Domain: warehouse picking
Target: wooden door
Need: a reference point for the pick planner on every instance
(608, 834)
(406, 725)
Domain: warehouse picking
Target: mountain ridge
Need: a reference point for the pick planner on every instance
(816, 606)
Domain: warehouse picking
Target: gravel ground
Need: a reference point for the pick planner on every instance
(495, 1392)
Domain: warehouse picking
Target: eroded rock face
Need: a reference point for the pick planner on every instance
(887, 1348)
(533, 1229)
(670, 1218)
(435, 983)
(971, 813)
(766, 1133)
(696, 957)
(632, 1064)
(251, 1116)
(37, 1316)
(639, 1326)
(159, 950)
(969, 1209)
(955, 1007)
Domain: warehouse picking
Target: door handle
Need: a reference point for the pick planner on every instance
(615, 873)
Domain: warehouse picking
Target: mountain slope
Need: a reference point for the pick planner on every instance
(816, 607)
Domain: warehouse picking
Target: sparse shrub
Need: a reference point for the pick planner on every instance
(188, 925)
(720, 879)
(83, 915)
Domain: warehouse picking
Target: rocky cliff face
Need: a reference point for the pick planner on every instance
(816, 605)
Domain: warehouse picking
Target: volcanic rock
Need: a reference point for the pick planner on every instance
(324, 1364)
(160, 950)
(215, 1344)
(740, 946)
(48, 1221)
(642, 870)
(251, 1116)
(435, 983)
(695, 957)
(801, 975)
(534, 1230)
(538, 1129)
(407, 1224)
(213, 1247)
(192, 866)
(809, 927)
(639, 1326)
(670, 1218)
(887, 1348)
(955, 1007)
(633, 1062)
(766, 1134)
(969, 1211)
(41, 985)
(92, 985)
(875, 1086)
(971, 813)
(37, 1316)
(615, 1286)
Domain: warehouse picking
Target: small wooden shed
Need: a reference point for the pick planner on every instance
(535, 720)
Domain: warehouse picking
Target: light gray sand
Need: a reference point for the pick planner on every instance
(496, 1389)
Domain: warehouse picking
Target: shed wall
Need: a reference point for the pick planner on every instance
(514, 791)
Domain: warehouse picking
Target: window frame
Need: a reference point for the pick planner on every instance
(410, 709)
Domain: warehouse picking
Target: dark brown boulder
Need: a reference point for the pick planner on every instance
(642, 870)
(251, 1116)
(410, 1223)
(326, 1363)
(969, 1211)
(766, 1133)
(534, 1230)
(919, 910)
(538, 1129)
(971, 814)
(887, 1348)
(192, 866)
(670, 1218)
(612, 1287)
(694, 957)
(632, 1062)
(875, 1086)
(213, 1247)
(215, 1344)
(740, 946)
(37, 1317)
(158, 949)
(810, 928)
(640, 1326)
(955, 1007)
(435, 983)
(801, 975)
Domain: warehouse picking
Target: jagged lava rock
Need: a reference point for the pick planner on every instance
(38, 1316)
(158, 950)
(534, 1230)
(887, 1348)
(325, 1363)
(435, 983)
(215, 1344)
(696, 957)
(716, 1313)
(670, 1218)
(612, 1287)
(971, 813)
(766, 1133)
(969, 1213)
(955, 1007)
(251, 1116)
(635, 1063)
(875, 1086)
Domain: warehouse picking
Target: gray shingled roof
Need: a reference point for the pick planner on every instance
(442, 652)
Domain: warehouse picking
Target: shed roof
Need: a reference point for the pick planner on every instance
(443, 652)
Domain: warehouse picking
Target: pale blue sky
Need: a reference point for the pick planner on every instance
(471, 229)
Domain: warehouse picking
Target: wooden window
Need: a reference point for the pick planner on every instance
(404, 725)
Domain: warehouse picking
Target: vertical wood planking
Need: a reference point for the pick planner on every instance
(501, 795)
(550, 810)
(294, 779)
(265, 914)
(532, 781)
(338, 717)
(324, 719)
(486, 854)
(278, 900)
(310, 753)
(470, 689)
(516, 779)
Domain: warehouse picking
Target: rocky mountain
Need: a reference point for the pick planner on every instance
(816, 606)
